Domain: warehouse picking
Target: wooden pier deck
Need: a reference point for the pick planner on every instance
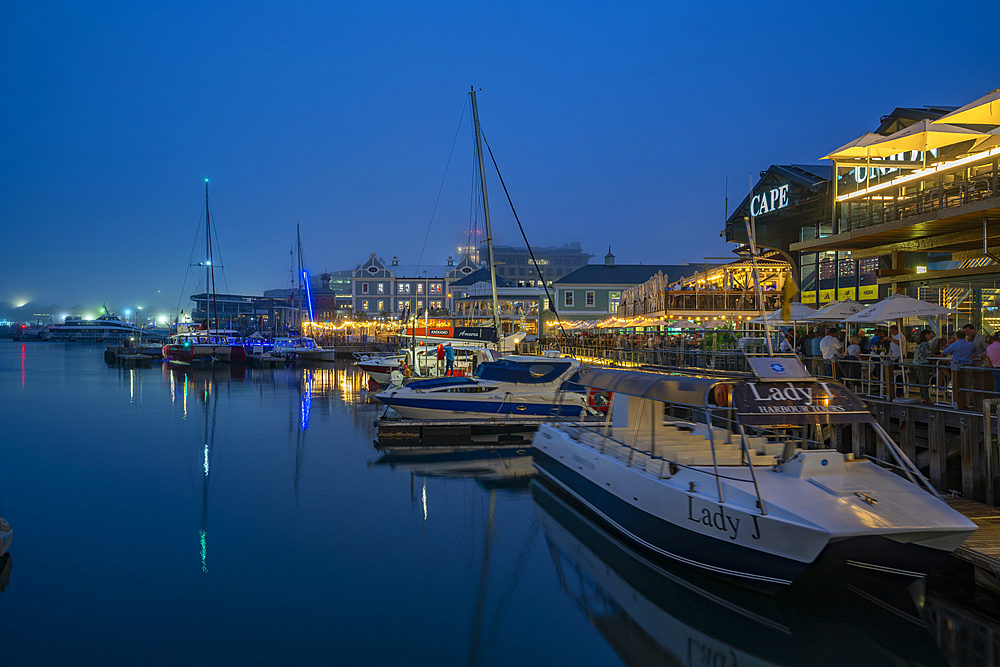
(982, 549)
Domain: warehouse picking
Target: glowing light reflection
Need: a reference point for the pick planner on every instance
(206, 459)
(204, 550)
(423, 498)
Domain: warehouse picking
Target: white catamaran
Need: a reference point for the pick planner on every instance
(734, 476)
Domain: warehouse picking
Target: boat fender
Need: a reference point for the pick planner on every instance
(722, 395)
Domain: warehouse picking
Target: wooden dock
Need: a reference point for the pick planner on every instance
(982, 549)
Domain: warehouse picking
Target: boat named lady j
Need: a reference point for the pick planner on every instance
(734, 476)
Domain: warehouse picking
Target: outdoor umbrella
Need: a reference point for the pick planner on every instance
(984, 111)
(800, 313)
(684, 324)
(897, 307)
(922, 136)
(836, 311)
(990, 140)
(857, 148)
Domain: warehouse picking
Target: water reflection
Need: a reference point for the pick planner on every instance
(654, 613)
(507, 468)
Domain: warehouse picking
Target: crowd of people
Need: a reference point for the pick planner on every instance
(834, 353)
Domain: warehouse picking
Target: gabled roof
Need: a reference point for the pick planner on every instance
(624, 274)
(808, 176)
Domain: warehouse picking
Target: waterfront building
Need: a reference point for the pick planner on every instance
(594, 291)
(514, 263)
(391, 290)
(904, 208)
(919, 202)
(244, 313)
(472, 303)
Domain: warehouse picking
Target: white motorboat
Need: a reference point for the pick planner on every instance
(730, 476)
(521, 386)
(6, 535)
(301, 347)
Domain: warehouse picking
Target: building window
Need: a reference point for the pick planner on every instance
(381, 305)
(402, 288)
(364, 305)
(420, 288)
(380, 288)
(568, 299)
(869, 267)
(590, 299)
(614, 298)
(420, 304)
(436, 288)
(364, 289)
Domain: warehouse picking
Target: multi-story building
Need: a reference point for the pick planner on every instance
(390, 290)
(244, 313)
(514, 263)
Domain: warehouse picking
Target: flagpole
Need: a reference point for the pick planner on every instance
(751, 224)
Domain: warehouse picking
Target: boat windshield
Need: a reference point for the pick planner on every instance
(435, 383)
(521, 372)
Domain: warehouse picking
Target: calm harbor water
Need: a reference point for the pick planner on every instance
(218, 517)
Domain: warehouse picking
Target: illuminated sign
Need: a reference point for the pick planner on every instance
(769, 201)
(825, 295)
(808, 297)
(868, 292)
(847, 293)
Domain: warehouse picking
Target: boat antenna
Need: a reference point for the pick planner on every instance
(486, 217)
(751, 224)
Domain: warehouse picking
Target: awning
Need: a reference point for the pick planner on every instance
(837, 311)
(922, 136)
(857, 148)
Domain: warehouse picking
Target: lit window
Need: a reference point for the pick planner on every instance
(590, 299)
(381, 306)
(568, 299)
(380, 288)
(364, 305)
(420, 288)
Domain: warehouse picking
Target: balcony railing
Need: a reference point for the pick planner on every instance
(733, 302)
(942, 192)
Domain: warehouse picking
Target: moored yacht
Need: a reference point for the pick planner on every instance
(301, 347)
(519, 386)
(108, 328)
(733, 476)
(200, 345)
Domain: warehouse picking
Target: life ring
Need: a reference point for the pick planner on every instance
(722, 395)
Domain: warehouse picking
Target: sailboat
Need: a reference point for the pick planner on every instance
(193, 343)
(519, 386)
(298, 346)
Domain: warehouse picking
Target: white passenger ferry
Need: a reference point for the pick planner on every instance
(105, 329)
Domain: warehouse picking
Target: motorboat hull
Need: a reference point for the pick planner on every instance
(680, 517)
(6, 537)
(188, 354)
(513, 408)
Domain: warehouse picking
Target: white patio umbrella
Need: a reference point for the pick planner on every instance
(800, 313)
(684, 324)
(837, 311)
(897, 307)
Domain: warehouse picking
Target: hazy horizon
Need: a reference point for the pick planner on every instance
(612, 125)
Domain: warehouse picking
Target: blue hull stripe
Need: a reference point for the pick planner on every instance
(484, 407)
(665, 538)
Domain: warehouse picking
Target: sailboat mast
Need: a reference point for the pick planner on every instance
(486, 217)
(210, 268)
(298, 271)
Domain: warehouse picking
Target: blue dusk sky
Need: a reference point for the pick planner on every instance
(613, 124)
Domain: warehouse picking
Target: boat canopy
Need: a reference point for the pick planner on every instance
(757, 403)
(536, 371)
(680, 389)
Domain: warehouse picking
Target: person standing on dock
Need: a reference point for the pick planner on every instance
(449, 357)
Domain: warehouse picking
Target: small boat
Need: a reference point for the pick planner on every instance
(733, 476)
(204, 345)
(6, 535)
(522, 386)
(380, 367)
(301, 347)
